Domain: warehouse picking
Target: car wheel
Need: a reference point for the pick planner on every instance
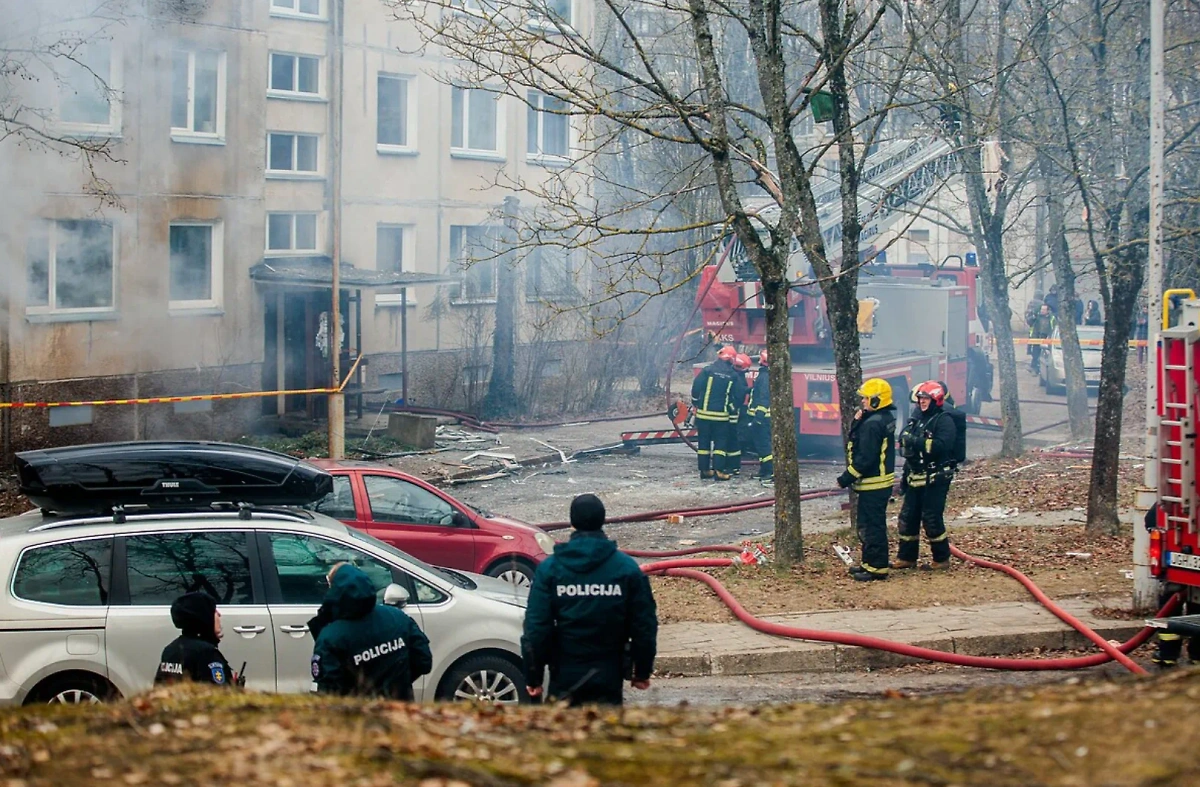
(515, 572)
(72, 690)
(489, 679)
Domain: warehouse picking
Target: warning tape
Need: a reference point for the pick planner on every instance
(1082, 342)
(193, 398)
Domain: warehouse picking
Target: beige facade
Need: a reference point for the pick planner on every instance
(222, 127)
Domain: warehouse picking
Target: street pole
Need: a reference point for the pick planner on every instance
(337, 409)
(1145, 586)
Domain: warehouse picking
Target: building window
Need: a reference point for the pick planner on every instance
(88, 87)
(549, 127)
(551, 13)
(473, 253)
(475, 127)
(70, 267)
(292, 232)
(395, 126)
(294, 153)
(71, 415)
(196, 265)
(918, 246)
(295, 75)
(393, 244)
(198, 95)
(306, 9)
(549, 274)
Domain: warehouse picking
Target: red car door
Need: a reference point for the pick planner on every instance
(418, 521)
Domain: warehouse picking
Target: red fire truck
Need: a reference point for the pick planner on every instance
(916, 323)
(1175, 541)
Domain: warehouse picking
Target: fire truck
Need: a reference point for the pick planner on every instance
(1175, 539)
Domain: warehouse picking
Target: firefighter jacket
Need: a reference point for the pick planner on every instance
(871, 451)
(588, 604)
(712, 391)
(929, 446)
(737, 396)
(760, 395)
(368, 649)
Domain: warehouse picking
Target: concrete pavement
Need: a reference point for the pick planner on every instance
(696, 649)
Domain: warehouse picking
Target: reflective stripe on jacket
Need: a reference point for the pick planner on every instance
(871, 450)
(712, 391)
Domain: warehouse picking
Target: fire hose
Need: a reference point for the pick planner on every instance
(699, 511)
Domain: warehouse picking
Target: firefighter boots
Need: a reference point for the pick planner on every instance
(902, 564)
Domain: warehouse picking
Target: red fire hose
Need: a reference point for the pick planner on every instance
(699, 511)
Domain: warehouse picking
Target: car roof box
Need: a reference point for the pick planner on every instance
(98, 478)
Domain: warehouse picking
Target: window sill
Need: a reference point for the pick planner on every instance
(474, 301)
(285, 175)
(554, 299)
(69, 316)
(87, 132)
(549, 162)
(184, 309)
(190, 138)
(283, 95)
(477, 155)
(279, 13)
(395, 150)
(548, 26)
(381, 303)
(292, 253)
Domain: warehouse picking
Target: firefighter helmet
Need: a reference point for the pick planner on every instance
(877, 392)
(741, 362)
(726, 353)
(762, 357)
(933, 390)
(912, 395)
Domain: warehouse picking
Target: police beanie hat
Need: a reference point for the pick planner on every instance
(192, 613)
(587, 513)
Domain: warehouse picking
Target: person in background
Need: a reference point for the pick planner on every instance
(1092, 315)
(712, 393)
(737, 415)
(1142, 332)
(1042, 327)
(194, 654)
(760, 413)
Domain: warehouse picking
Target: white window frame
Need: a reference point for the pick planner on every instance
(572, 273)
(408, 245)
(295, 13)
(216, 267)
(410, 116)
(202, 137)
(550, 159)
(544, 23)
(296, 95)
(292, 251)
(293, 173)
(115, 104)
(478, 153)
(461, 299)
(49, 311)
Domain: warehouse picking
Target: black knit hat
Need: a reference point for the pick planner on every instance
(587, 513)
(192, 613)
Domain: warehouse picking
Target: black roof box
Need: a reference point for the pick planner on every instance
(89, 479)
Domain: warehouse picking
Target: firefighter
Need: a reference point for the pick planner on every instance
(194, 654)
(1041, 326)
(928, 444)
(737, 414)
(591, 617)
(870, 471)
(712, 391)
(760, 415)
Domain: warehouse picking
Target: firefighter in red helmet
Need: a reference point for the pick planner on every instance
(927, 444)
(737, 415)
(712, 393)
(760, 417)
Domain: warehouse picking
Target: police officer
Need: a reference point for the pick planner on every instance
(871, 471)
(712, 393)
(367, 649)
(737, 414)
(760, 414)
(194, 655)
(928, 444)
(589, 606)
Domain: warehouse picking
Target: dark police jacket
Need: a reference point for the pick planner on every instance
(368, 649)
(191, 657)
(586, 602)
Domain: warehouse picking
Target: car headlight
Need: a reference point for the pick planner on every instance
(545, 542)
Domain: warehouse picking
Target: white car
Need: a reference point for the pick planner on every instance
(1053, 377)
(86, 601)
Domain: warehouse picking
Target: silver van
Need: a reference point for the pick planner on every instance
(85, 608)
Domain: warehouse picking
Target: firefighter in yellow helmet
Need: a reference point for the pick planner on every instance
(871, 471)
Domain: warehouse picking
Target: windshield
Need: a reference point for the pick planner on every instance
(449, 576)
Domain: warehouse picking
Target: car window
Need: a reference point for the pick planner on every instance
(397, 500)
(164, 566)
(75, 574)
(302, 563)
(426, 593)
(339, 503)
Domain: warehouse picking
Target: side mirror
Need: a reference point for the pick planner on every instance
(459, 519)
(395, 596)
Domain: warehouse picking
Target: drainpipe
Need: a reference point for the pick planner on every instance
(336, 407)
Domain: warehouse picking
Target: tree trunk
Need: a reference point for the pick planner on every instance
(1064, 275)
(991, 263)
(789, 541)
(1126, 275)
(501, 400)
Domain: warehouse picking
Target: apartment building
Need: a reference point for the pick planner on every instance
(211, 270)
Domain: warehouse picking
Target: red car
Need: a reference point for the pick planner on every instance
(427, 523)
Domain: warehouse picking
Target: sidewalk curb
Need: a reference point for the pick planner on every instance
(805, 656)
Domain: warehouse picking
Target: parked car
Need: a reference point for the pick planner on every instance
(86, 597)
(424, 521)
(1053, 377)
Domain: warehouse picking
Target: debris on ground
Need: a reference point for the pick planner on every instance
(989, 512)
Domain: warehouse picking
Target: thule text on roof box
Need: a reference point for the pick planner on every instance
(97, 478)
